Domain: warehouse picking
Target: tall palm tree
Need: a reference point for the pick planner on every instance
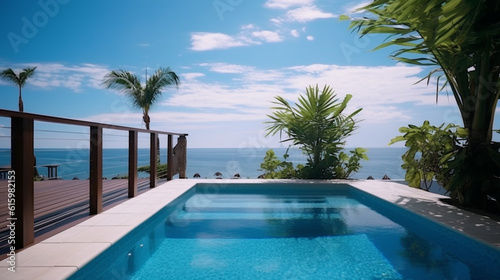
(142, 96)
(462, 40)
(18, 79)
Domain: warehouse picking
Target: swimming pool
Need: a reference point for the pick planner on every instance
(286, 231)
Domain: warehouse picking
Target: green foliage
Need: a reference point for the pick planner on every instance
(349, 164)
(17, 79)
(475, 176)
(318, 127)
(270, 164)
(462, 39)
(276, 169)
(429, 148)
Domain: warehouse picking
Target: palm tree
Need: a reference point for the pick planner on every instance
(462, 40)
(142, 96)
(18, 79)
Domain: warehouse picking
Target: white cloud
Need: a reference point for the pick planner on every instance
(248, 35)
(162, 119)
(307, 13)
(382, 114)
(380, 90)
(276, 21)
(352, 9)
(204, 41)
(73, 77)
(310, 38)
(312, 68)
(248, 26)
(245, 93)
(249, 74)
(263, 76)
(285, 4)
(267, 36)
(371, 86)
(192, 76)
(226, 68)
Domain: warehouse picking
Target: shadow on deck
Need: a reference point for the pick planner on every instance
(60, 204)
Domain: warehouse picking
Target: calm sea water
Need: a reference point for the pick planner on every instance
(206, 162)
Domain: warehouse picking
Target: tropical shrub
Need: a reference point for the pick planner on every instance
(319, 128)
(429, 149)
(276, 169)
(350, 163)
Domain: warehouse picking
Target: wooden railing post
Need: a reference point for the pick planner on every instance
(170, 158)
(132, 163)
(22, 161)
(181, 156)
(95, 170)
(153, 160)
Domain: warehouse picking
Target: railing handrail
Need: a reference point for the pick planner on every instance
(45, 118)
(23, 160)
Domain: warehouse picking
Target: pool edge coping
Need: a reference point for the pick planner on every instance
(51, 259)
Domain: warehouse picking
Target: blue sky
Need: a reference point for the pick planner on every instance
(233, 57)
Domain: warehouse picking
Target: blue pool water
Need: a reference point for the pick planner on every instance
(290, 232)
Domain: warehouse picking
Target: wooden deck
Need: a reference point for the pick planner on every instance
(59, 204)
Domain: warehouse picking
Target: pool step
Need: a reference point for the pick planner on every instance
(216, 202)
(314, 210)
(255, 216)
(239, 227)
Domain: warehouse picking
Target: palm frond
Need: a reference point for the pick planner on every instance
(126, 83)
(162, 78)
(25, 74)
(10, 75)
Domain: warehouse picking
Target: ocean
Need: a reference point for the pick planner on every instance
(204, 161)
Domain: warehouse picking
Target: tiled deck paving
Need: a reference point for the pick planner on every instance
(62, 203)
(61, 255)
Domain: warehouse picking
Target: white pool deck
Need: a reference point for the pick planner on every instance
(61, 255)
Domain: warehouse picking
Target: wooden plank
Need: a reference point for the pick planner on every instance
(57, 192)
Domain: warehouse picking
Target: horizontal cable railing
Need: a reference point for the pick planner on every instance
(88, 159)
